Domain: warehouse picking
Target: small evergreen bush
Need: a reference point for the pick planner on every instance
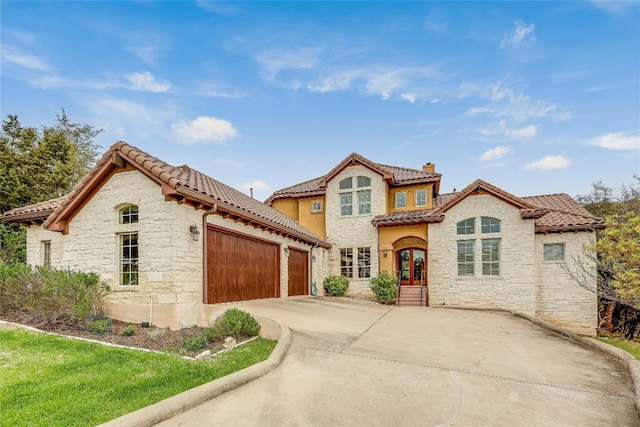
(194, 343)
(99, 326)
(335, 286)
(385, 288)
(233, 322)
(129, 331)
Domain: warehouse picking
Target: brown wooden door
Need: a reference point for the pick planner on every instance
(298, 272)
(412, 266)
(240, 267)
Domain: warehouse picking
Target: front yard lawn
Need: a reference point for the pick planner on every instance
(48, 380)
(630, 346)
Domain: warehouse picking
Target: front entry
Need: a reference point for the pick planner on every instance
(412, 266)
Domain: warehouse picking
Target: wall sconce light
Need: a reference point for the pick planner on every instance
(313, 258)
(384, 252)
(195, 233)
(286, 250)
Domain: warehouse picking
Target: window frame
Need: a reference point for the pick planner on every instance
(346, 208)
(490, 266)
(364, 207)
(469, 257)
(128, 214)
(128, 261)
(46, 253)
(404, 199)
(465, 227)
(553, 252)
(489, 224)
(424, 192)
(364, 263)
(343, 183)
(346, 262)
(317, 203)
(363, 181)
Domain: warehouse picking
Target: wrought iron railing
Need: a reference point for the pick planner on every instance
(421, 281)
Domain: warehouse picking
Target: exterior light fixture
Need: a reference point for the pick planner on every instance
(195, 233)
(384, 252)
(313, 258)
(286, 250)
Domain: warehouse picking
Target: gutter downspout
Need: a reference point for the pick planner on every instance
(205, 262)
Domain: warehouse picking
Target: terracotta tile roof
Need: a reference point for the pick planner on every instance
(565, 214)
(36, 213)
(395, 176)
(188, 182)
(422, 216)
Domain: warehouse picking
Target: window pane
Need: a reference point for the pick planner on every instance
(364, 202)
(466, 249)
(553, 252)
(129, 259)
(401, 199)
(317, 207)
(490, 225)
(346, 183)
(129, 214)
(421, 198)
(491, 257)
(466, 226)
(363, 181)
(364, 262)
(346, 262)
(346, 201)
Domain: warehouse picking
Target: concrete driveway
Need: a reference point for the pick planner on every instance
(362, 364)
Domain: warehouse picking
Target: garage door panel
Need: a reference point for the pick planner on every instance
(240, 267)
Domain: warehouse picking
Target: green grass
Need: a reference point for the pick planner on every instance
(630, 346)
(47, 380)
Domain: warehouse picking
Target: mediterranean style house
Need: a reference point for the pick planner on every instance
(172, 242)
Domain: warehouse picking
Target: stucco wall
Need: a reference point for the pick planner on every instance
(513, 289)
(354, 231)
(560, 299)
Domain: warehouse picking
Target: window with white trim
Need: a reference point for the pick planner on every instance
(466, 226)
(346, 262)
(466, 257)
(316, 206)
(421, 197)
(129, 214)
(363, 196)
(364, 202)
(401, 199)
(346, 204)
(128, 248)
(553, 251)
(46, 253)
(490, 257)
(346, 183)
(364, 263)
(489, 225)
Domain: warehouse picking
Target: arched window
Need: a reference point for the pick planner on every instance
(466, 226)
(129, 214)
(489, 225)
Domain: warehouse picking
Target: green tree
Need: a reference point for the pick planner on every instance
(38, 165)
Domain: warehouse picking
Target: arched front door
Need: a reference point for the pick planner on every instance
(412, 266)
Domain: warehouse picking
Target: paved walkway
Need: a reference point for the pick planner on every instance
(362, 364)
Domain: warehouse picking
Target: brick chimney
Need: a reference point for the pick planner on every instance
(429, 167)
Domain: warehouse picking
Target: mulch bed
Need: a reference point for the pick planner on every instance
(152, 338)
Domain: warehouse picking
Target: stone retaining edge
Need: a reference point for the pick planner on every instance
(172, 406)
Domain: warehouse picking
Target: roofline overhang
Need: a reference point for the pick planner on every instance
(381, 223)
(546, 229)
(301, 194)
(29, 218)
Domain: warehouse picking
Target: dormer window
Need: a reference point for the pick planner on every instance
(129, 214)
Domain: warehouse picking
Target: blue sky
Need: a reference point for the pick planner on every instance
(534, 97)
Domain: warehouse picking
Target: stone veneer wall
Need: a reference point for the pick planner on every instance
(513, 289)
(354, 231)
(559, 298)
(170, 289)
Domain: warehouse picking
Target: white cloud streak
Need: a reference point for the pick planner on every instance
(521, 36)
(22, 59)
(204, 129)
(258, 186)
(495, 153)
(549, 163)
(618, 141)
(147, 82)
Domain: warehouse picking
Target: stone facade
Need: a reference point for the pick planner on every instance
(354, 231)
(526, 283)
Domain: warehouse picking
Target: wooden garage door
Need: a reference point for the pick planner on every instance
(240, 267)
(298, 272)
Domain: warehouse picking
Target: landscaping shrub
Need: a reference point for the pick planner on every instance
(129, 331)
(49, 295)
(99, 326)
(335, 286)
(156, 333)
(233, 322)
(194, 343)
(385, 288)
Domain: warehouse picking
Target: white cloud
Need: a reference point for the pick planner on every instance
(22, 59)
(549, 163)
(147, 82)
(409, 97)
(275, 61)
(525, 132)
(258, 186)
(613, 6)
(204, 129)
(618, 141)
(522, 36)
(495, 153)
